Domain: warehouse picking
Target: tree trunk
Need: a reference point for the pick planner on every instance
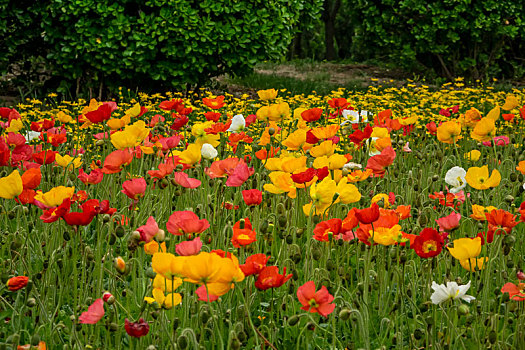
(330, 10)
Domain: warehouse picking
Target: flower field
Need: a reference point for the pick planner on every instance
(390, 218)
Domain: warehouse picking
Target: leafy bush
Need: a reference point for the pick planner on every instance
(133, 42)
(453, 37)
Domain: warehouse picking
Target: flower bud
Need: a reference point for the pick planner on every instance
(344, 314)
(292, 321)
(108, 298)
(160, 236)
(120, 265)
(182, 342)
(120, 231)
(106, 218)
(463, 309)
(135, 235)
(31, 302)
(271, 131)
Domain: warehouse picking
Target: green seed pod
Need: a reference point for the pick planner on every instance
(419, 333)
(513, 177)
(463, 309)
(66, 236)
(150, 273)
(182, 342)
(112, 239)
(292, 321)
(235, 344)
(175, 323)
(113, 327)
(344, 314)
(493, 336)
(120, 231)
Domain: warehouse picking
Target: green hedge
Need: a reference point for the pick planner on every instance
(134, 42)
(453, 37)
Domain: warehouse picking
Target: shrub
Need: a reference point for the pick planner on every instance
(134, 42)
(454, 37)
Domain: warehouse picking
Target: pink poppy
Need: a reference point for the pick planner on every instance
(449, 222)
(134, 188)
(186, 222)
(94, 313)
(187, 248)
(148, 231)
(185, 181)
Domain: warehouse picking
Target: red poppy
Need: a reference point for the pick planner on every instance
(92, 178)
(31, 178)
(212, 116)
(312, 114)
(500, 219)
(339, 103)
(53, 214)
(359, 136)
(179, 121)
(368, 215)
(380, 162)
(170, 105)
(136, 329)
(116, 160)
(254, 264)
(243, 234)
(16, 283)
(134, 188)
(508, 117)
(312, 301)
(428, 244)
(102, 113)
(252, 197)
(42, 125)
(323, 229)
(269, 277)
(350, 221)
(214, 103)
(265, 154)
(164, 170)
(44, 157)
(82, 218)
(516, 291)
(186, 222)
(432, 128)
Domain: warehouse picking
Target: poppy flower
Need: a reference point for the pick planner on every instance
(16, 283)
(312, 114)
(380, 162)
(82, 218)
(315, 301)
(116, 160)
(134, 188)
(450, 291)
(448, 132)
(179, 121)
(252, 197)
(428, 244)
(94, 313)
(212, 116)
(254, 264)
(136, 329)
(323, 229)
(359, 136)
(243, 234)
(431, 128)
(478, 178)
(93, 178)
(268, 94)
(187, 248)
(186, 222)
(239, 175)
(44, 157)
(269, 277)
(214, 103)
(484, 130)
(203, 294)
(449, 222)
(185, 181)
(150, 230)
(368, 215)
(465, 248)
(516, 291)
(11, 185)
(500, 222)
(102, 113)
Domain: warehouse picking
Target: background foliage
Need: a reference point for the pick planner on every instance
(146, 44)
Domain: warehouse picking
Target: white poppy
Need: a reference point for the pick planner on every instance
(364, 116)
(31, 135)
(455, 177)
(350, 117)
(450, 291)
(238, 123)
(352, 166)
(208, 151)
